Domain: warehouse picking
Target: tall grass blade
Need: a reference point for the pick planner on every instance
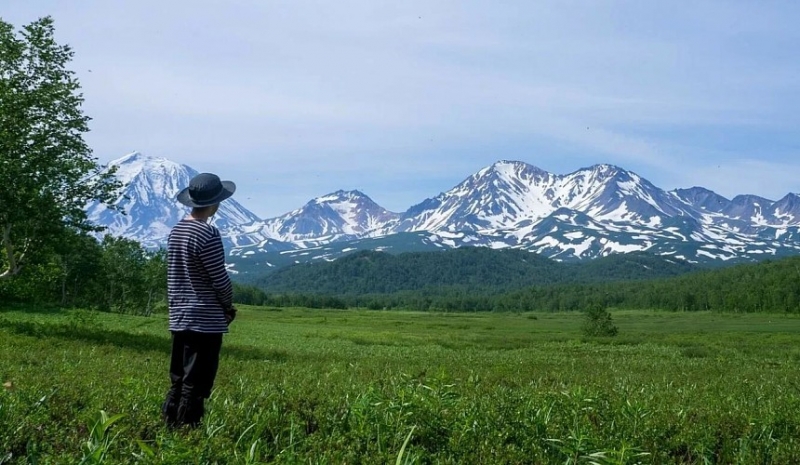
(403, 449)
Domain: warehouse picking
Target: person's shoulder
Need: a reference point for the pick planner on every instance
(210, 232)
(200, 228)
(213, 229)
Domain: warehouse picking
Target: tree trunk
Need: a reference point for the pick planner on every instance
(8, 248)
(64, 276)
(147, 309)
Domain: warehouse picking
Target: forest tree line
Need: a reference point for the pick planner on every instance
(115, 274)
(770, 286)
(112, 274)
(478, 270)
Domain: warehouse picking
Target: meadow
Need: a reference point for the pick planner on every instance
(358, 386)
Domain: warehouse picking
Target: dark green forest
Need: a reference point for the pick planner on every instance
(770, 286)
(473, 270)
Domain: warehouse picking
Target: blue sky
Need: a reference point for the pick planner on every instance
(403, 100)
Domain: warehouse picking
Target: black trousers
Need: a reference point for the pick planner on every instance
(192, 370)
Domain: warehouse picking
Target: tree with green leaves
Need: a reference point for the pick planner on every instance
(47, 171)
(598, 321)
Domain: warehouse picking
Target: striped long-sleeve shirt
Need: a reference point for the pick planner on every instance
(198, 284)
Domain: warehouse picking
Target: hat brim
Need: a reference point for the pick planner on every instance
(228, 188)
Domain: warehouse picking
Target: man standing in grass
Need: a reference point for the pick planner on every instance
(200, 300)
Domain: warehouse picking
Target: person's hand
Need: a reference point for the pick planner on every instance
(230, 314)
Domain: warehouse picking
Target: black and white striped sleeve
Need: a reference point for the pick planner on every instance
(212, 256)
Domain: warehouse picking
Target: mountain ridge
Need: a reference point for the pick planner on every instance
(592, 212)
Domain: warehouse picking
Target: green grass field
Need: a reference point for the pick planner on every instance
(330, 386)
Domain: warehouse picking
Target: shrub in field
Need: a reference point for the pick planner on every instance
(598, 322)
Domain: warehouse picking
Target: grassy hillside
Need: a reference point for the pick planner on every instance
(325, 386)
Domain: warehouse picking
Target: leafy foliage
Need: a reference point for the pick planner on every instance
(47, 173)
(47, 177)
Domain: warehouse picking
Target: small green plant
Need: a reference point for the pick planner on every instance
(100, 439)
(82, 319)
(598, 322)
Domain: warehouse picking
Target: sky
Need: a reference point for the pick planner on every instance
(403, 100)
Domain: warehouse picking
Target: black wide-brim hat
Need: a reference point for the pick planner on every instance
(205, 190)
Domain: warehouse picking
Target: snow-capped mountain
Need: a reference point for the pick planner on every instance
(150, 185)
(341, 215)
(785, 211)
(702, 199)
(495, 197)
(752, 210)
(511, 195)
(591, 212)
(595, 211)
